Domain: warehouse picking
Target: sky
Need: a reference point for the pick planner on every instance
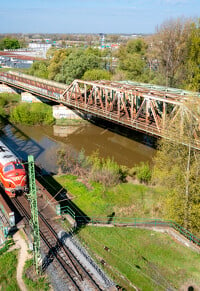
(91, 16)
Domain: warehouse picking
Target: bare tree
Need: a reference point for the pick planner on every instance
(170, 43)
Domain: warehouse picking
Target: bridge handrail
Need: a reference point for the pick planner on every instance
(41, 80)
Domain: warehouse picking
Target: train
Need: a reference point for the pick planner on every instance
(13, 176)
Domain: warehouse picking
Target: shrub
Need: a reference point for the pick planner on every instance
(105, 171)
(6, 98)
(71, 162)
(3, 101)
(2, 112)
(32, 114)
(143, 172)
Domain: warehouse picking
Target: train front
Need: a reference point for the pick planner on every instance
(14, 178)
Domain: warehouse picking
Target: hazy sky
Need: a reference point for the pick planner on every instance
(91, 16)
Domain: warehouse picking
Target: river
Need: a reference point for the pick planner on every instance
(44, 141)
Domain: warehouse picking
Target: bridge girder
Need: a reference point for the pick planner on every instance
(138, 107)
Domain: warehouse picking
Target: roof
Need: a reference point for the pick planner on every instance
(6, 156)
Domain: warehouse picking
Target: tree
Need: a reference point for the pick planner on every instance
(9, 43)
(39, 69)
(170, 43)
(132, 59)
(193, 58)
(76, 64)
(96, 74)
(56, 62)
(177, 169)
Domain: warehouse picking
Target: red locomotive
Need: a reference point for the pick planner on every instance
(12, 172)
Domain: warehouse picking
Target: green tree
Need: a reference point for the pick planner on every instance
(9, 43)
(56, 63)
(76, 64)
(31, 114)
(39, 69)
(177, 169)
(96, 74)
(132, 59)
(193, 58)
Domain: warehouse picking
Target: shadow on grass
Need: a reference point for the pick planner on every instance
(61, 195)
(110, 217)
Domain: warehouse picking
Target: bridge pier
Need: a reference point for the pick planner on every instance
(61, 111)
(6, 89)
(30, 98)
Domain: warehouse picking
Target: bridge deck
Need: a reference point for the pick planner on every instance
(142, 108)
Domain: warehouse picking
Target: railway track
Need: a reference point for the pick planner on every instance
(72, 274)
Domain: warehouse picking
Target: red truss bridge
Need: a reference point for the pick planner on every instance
(143, 107)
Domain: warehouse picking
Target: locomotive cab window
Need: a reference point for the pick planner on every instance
(8, 168)
(18, 166)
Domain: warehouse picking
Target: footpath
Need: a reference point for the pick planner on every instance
(23, 256)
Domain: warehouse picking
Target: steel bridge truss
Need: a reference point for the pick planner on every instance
(151, 111)
(155, 111)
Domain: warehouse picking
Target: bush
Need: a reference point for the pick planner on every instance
(71, 162)
(2, 113)
(143, 172)
(8, 98)
(32, 114)
(3, 101)
(105, 171)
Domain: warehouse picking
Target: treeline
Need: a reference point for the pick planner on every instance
(65, 65)
(10, 43)
(170, 57)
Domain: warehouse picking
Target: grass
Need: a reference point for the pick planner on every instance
(141, 257)
(150, 260)
(65, 121)
(6, 246)
(125, 200)
(40, 284)
(8, 263)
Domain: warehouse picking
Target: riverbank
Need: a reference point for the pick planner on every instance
(124, 199)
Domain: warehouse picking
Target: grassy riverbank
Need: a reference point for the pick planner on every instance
(125, 199)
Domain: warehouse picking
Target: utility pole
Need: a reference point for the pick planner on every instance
(32, 197)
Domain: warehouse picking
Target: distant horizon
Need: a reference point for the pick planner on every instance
(82, 33)
(92, 16)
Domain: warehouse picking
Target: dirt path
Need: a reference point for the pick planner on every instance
(21, 244)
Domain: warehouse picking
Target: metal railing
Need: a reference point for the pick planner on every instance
(135, 222)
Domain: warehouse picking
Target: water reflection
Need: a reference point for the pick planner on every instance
(43, 143)
(64, 131)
